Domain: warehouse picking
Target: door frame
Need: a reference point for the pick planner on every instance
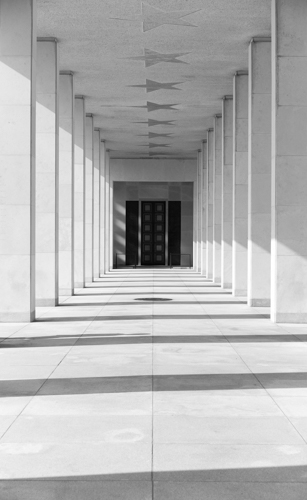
(140, 227)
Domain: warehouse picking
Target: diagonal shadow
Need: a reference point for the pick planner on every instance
(143, 338)
(148, 383)
(153, 317)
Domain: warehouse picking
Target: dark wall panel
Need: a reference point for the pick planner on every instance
(132, 232)
(174, 231)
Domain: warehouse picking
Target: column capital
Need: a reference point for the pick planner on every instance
(79, 97)
(210, 129)
(47, 39)
(204, 141)
(89, 115)
(219, 115)
(241, 72)
(66, 72)
(260, 39)
(227, 97)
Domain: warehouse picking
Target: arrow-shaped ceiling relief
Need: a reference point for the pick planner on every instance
(152, 86)
(152, 57)
(153, 18)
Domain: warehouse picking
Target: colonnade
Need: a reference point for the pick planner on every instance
(254, 167)
(54, 167)
(55, 228)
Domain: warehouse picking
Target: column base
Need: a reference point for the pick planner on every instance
(210, 276)
(259, 303)
(239, 293)
(17, 317)
(89, 280)
(79, 284)
(46, 302)
(217, 281)
(289, 318)
(227, 285)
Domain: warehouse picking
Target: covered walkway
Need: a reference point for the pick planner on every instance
(153, 384)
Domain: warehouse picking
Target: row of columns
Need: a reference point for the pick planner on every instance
(54, 199)
(255, 163)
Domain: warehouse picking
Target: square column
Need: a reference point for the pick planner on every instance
(209, 206)
(88, 189)
(203, 208)
(227, 192)
(79, 194)
(66, 175)
(102, 208)
(17, 160)
(217, 198)
(240, 184)
(199, 209)
(96, 205)
(107, 242)
(289, 162)
(259, 173)
(47, 173)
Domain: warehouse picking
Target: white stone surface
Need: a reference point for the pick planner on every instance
(102, 177)
(88, 198)
(196, 397)
(227, 192)
(96, 205)
(79, 192)
(259, 173)
(209, 201)
(289, 160)
(17, 160)
(203, 208)
(66, 171)
(107, 239)
(240, 184)
(47, 172)
(217, 198)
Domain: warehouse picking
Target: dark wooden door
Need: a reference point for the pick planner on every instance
(153, 233)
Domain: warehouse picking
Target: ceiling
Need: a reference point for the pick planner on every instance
(154, 72)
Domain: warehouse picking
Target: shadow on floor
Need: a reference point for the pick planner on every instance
(148, 383)
(152, 316)
(142, 338)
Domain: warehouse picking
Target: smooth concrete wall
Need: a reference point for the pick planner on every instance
(168, 191)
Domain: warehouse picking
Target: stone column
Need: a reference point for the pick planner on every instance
(96, 205)
(79, 194)
(110, 219)
(66, 174)
(289, 162)
(217, 198)
(17, 160)
(47, 173)
(204, 191)
(102, 208)
(199, 209)
(227, 192)
(209, 205)
(259, 173)
(107, 213)
(88, 189)
(240, 178)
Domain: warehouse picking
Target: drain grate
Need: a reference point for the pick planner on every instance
(154, 299)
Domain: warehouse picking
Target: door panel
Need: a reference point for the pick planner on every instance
(153, 233)
(132, 232)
